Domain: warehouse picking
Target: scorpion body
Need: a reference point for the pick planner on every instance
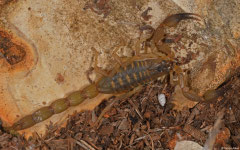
(134, 74)
(121, 79)
(126, 78)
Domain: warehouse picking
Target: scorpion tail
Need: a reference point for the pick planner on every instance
(56, 107)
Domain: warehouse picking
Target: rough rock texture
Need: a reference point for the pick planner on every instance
(46, 48)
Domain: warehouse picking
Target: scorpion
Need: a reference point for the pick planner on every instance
(124, 77)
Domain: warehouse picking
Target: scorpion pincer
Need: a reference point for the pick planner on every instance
(121, 79)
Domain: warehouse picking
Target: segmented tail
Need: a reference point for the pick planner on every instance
(56, 107)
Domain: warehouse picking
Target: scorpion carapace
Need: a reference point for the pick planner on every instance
(126, 76)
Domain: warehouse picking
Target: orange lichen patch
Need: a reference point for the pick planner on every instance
(172, 143)
(176, 138)
(16, 54)
(223, 136)
(235, 30)
(12, 52)
(8, 108)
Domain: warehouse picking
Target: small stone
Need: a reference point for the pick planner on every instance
(162, 99)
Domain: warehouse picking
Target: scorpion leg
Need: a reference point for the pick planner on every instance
(120, 97)
(138, 47)
(115, 56)
(182, 81)
(137, 55)
(189, 94)
(208, 96)
(96, 68)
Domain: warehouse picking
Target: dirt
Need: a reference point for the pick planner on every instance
(140, 122)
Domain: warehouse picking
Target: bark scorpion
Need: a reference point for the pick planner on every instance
(125, 76)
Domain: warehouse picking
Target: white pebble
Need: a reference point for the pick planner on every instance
(162, 99)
